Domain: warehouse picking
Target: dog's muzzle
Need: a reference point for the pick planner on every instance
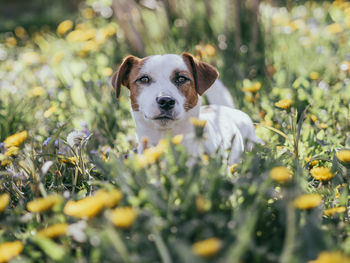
(165, 103)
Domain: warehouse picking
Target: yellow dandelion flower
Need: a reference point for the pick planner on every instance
(314, 118)
(343, 156)
(311, 163)
(20, 31)
(110, 198)
(80, 35)
(88, 13)
(16, 139)
(12, 151)
(36, 92)
(70, 160)
(152, 154)
(201, 203)
(281, 174)
(11, 41)
(334, 28)
(334, 210)
(10, 250)
(64, 27)
(252, 88)
(323, 125)
(123, 217)
(50, 111)
(107, 72)
(5, 162)
(322, 173)
(249, 99)
(31, 58)
(210, 50)
(207, 248)
(54, 231)
(87, 207)
(177, 139)
(284, 104)
(314, 75)
(43, 204)
(233, 168)
(198, 122)
(331, 257)
(4, 201)
(307, 201)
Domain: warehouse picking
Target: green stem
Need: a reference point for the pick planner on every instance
(118, 244)
(161, 247)
(288, 246)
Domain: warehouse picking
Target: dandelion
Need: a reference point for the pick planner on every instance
(207, 248)
(314, 75)
(284, 104)
(331, 257)
(43, 204)
(177, 139)
(110, 198)
(11, 41)
(54, 231)
(252, 88)
(75, 138)
(36, 92)
(107, 72)
(64, 27)
(343, 156)
(307, 201)
(88, 13)
(334, 210)
(198, 122)
(70, 160)
(323, 125)
(233, 168)
(152, 154)
(4, 201)
(9, 250)
(334, 28)
(201, 203)
(50, 111)
(314, 118)
(281, 174)
(20, 31)
(311, 163)
(87, 207)
(123, 217)
(12, 151)
(322, 173)
(16, 139)
(210, 50)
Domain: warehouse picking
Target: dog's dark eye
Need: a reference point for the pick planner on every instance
(180, 79)
(144, 79)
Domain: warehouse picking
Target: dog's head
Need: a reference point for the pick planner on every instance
(164, 88)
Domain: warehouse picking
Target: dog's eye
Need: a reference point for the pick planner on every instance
(144, 79)
(180, 79)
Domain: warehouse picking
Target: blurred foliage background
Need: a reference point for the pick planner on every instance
(72, 188)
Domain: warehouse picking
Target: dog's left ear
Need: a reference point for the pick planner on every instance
(203, 73)
(121, 77)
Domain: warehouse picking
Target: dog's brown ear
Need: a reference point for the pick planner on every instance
(203, 73)
(121, 77)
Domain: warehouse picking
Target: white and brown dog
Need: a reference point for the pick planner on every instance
(165, 93)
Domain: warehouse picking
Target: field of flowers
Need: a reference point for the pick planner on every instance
(72, 188)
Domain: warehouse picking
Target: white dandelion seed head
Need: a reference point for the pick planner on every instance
(75, 137)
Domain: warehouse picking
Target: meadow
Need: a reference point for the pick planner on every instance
(73, 189)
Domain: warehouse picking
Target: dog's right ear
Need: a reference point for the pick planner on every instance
(121, 77)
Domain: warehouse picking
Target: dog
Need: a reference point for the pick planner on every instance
(165, 94)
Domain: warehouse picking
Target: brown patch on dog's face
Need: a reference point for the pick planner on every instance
(186, 85)
(127, 75)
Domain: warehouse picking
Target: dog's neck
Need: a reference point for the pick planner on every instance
(154, 133)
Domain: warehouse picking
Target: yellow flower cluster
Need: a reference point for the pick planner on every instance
(307, 201)
(281, 174)
(64, 27)
(177, 139)
(311, 163)
(43, 204)
(50, 111)
(314, 75)
(322, 173)
(207, 248)
(16, 139)
(54, 231)
(36, 92)
(123, 217)
(198, 122)
(9, 250)
(334, 28)
(334, 210)
(152, 154)
(233, 168)
(252, 88)
(284, 104)
(331, 257)
(90, 206)
(343, 156)
(4, 201)
(203, 51)
(69, 160)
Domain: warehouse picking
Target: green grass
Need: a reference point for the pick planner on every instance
(177, 205)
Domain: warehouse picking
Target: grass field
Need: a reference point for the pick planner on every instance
(72, 188)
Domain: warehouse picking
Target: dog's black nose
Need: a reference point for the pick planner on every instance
(165, 102)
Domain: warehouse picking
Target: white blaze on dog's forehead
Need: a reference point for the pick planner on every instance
(163, 65)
